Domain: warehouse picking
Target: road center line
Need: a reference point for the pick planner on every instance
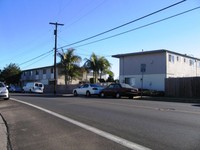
(104, 134)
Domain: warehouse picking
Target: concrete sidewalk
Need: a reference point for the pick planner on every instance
(3, 135)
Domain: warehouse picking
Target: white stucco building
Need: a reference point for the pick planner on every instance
(148, 69)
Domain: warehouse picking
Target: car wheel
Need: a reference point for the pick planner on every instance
(75, 93)
(7, 98)
(130, 97)
(102, 94)
(117, 95)
(88, 93)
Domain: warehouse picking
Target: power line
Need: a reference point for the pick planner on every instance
(140, 27)
(38, 60)
(124, 24)
(35, 57)
(24, 51)
(115, 29)
(62, 7)
(89, 12)
(158, 21)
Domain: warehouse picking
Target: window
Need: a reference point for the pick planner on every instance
(86, 86)
(36, 72)
(191, 62)
(184, 60)
(29, 73)
(177, 58)
(51, 70)
(130, 81)
(117, 86)
(1, 84)
(111, 86)
(171, 58)
(44, 71)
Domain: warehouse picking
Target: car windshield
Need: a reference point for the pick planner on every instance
(94, 85)
(126, 85)
(2, 85)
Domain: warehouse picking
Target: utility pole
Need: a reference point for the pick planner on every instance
(55, 50)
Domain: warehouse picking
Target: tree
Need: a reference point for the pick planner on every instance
(11, 74)
(110, 79)
(104, 66)
(92, 64)
(1, 78)
(69, 62)
(98, 65)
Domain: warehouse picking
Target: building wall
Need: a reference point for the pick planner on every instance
(44, 75)
(155, 64)
(150, 81)
(154, 75)
(159, 65)
(182, 66)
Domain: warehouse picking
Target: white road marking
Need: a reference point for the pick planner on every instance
(104, 134)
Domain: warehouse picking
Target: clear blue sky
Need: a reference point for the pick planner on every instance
(25, 32)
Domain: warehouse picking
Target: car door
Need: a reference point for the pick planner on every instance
(78, 90)
(109, 91)
(85, 88)
(117, 89)
(82, 89)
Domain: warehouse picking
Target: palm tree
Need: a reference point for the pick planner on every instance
(98, 65)
(104, 66)
(92, 64)
(70, 63)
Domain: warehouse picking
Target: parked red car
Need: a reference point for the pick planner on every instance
(118, 90)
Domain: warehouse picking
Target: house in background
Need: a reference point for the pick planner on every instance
(149, 69)
(45, 75)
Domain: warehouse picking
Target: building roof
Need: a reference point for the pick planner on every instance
(153, 52)
(37, 68)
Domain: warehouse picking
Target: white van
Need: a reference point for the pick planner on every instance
(35, 87)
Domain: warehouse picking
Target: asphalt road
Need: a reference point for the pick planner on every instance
(152, 124)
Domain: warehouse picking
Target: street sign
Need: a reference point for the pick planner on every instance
(143, 68)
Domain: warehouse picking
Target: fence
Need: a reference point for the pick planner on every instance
(183, 87)
(60, 89)
(66, 89)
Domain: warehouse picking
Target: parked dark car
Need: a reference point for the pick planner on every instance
(118, 90)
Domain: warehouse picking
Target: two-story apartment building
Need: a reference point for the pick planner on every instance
(42, 74)
(149, 69)
(45, 75)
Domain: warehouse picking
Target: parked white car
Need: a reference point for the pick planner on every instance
(35, 87)
(4, 93)
(87, 89)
